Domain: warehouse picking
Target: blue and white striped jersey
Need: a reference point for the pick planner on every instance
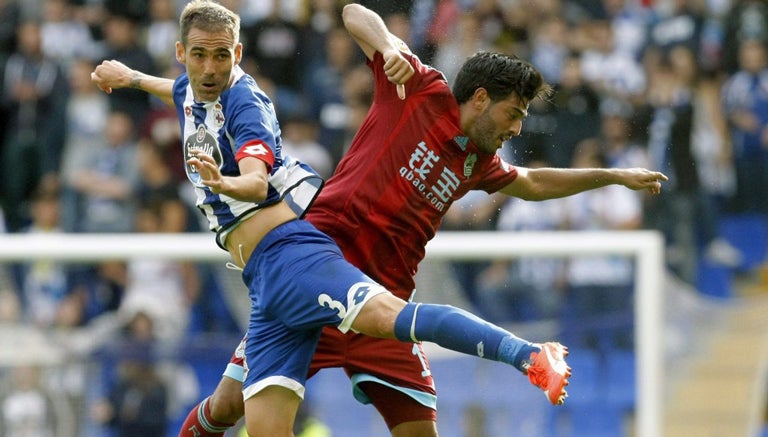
(242, 122)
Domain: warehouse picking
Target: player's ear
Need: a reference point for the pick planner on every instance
(480, 97)
(180, 55)
(238, 53)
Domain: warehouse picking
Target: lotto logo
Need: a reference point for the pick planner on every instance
(359, 295)
(255, 150)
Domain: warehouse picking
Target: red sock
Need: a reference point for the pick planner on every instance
(200, 424)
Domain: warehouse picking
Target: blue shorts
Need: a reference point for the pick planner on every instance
(298, 282)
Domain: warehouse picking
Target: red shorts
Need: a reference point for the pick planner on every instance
(405, 391)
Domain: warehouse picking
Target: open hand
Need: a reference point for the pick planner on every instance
(209, 172)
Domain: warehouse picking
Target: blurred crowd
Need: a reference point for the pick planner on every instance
(679, 86)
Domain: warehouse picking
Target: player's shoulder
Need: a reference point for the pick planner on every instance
(243, 85)
(181, 81)
(245, 92)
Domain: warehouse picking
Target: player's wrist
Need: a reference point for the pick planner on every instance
(135, 80)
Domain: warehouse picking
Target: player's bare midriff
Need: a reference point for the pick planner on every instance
(245, 237)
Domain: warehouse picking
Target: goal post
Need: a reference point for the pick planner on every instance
(646, 247)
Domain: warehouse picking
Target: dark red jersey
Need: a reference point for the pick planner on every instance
(405, 167)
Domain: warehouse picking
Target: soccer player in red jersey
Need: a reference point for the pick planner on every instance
(421, 147)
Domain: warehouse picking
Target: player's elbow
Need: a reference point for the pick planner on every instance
(351, 15)
(536, 194)
(524, 191)
(349, 12)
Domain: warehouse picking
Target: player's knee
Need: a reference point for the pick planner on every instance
(226, 404)
(378, 316)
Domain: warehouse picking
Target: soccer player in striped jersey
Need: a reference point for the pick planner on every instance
(297, 278)
(420, 148)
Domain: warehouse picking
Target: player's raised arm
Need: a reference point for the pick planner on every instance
(552, 183)
(371, 34)
(112, 74)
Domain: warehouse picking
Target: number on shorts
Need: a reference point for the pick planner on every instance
(416, 350)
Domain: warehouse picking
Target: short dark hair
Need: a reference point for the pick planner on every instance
(500, 75)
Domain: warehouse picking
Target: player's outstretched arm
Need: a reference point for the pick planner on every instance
(551, 183)
(112, 74)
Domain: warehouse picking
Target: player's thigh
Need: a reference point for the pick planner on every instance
(306, 283)
(421, 428)
(377, 318)
(403, 366)
(374, 362)
(271, 412)
(277, 356)
(395, 377)
(403, 414)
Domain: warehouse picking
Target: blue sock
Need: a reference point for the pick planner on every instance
(461, 331)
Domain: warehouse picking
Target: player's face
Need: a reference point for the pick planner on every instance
(209, 58)
(498, 122)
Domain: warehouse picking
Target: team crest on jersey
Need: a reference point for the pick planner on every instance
(218, 115)
(201, 141)
(469, 164)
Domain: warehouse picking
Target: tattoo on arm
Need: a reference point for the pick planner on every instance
(135, 81)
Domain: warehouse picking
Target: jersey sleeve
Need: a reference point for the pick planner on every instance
(495, 174)
(253, 127)
(257, 149)
(384, 89)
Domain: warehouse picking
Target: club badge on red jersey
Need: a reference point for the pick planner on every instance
(469, 164)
